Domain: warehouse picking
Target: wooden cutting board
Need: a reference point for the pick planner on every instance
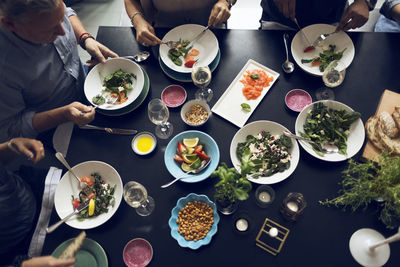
(388, 101)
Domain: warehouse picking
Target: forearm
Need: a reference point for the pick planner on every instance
(396, 12)
(49, 119)
(77, 26)
(134, 10)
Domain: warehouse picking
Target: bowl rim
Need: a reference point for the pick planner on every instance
(197, 101)
(173, 225)
(140, 86)
(133, 240)
(214, 160)
(182, 89)
(294, 91)
(137, 136)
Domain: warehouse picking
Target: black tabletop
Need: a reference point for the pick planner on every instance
(320, 237)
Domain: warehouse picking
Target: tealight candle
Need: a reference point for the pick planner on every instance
(292, 206)
(264, 197)
(273, 232)
(242, 225)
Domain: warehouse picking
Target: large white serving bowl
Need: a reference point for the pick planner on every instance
(340, 39)
(207, 45)
(68, 186)
(274, 128)
(355, 139)
(94, 80)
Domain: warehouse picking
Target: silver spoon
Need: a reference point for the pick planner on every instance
(324, 147)
(287, 66)
(139, 57)
(203, 165)
(61, 158)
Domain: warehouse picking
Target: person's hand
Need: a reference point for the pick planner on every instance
(219, 13)
(355, 16)
(98, 51)
(79, 113)
(32, 148)
(287, 8)
(47, 261)
(145, 34)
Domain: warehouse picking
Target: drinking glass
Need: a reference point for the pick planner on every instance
(159, 114)
(332, 77)
(136, 196)
(201, 77)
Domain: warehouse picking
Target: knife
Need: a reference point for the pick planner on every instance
(198, 36)
(109, 130)
(62, 137)
(81, 207)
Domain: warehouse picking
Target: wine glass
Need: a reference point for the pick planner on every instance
(201, 76)
(332, 77)
(136, 196)
(369, 248)
(159, 114)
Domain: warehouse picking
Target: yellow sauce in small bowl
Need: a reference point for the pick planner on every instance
(144, 143)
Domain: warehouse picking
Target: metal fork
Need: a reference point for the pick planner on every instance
(321, 38)
(110, 100)
(170, 44)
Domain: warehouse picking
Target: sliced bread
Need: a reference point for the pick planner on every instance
(73, 247)
(390, 144)
(396, 116)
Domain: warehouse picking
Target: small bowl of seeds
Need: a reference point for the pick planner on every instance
(195, 112)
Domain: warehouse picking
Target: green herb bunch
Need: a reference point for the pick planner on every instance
(366, 182)
(232, 186)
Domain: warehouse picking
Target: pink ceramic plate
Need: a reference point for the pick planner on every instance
(297, 99)
(137, 253)
(173, 95)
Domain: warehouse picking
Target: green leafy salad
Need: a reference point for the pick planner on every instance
(181, 50)
(264, 154)
(100, 194)
(117, 85)
(324, 58)
(324, 125)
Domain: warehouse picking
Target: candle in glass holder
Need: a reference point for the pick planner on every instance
(265, 195)
(293, 206)
(242, 224)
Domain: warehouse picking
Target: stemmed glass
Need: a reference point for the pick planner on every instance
(332, 77)
(159, 114)
(136, 196)
(201, 77)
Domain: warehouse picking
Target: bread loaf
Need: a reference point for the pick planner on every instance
(370, 128)
(73, 247)
(387, 125)
(390, 144)
(396, 116)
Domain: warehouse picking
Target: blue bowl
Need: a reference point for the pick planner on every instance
(174, 226)
(209, 146)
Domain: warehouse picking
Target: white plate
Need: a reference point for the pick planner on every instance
(94, 80)
(68, 186)
(340, 39)
(274, 128)
(355, 139)
(207, 45)
(228, 105)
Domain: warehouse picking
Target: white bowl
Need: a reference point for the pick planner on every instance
(207, 45)
(188, 105)
(355, 139)
(68, 186)
(94, 80)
